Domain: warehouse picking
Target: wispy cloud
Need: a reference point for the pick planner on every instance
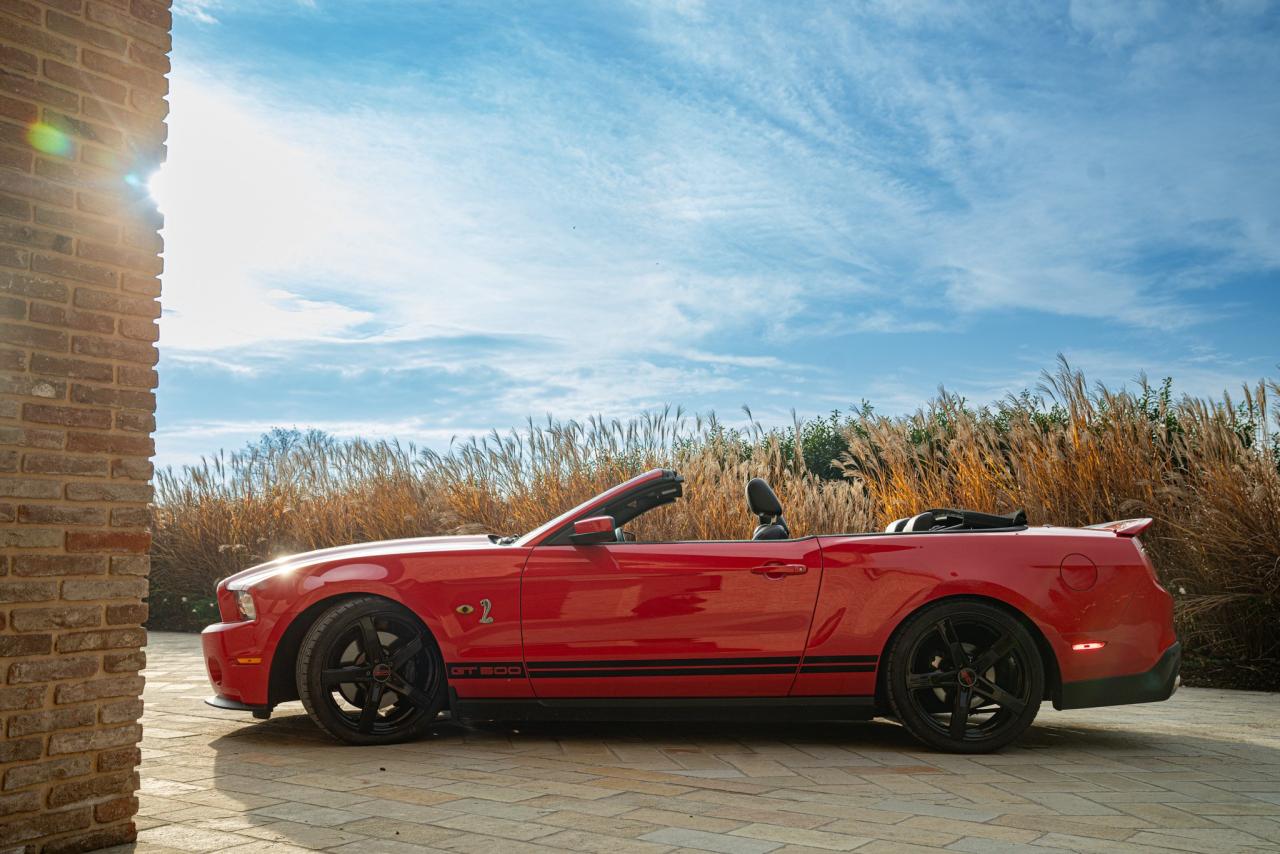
(664, 202)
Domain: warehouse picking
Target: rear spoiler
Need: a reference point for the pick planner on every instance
(1124, 527)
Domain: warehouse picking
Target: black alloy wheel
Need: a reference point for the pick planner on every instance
(369, 672)
(965, 677)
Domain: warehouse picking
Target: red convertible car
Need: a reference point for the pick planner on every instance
(957, 624)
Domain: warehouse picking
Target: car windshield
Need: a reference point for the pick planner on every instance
(537, 533)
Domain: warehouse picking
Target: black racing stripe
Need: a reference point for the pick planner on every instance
(840, 659)
(663, 671)
(838, 668)
(661, 662)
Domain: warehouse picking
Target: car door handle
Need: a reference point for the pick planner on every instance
(780, 570)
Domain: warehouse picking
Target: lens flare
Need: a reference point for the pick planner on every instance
(47, 138)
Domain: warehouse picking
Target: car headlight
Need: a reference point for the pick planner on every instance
(244, 600)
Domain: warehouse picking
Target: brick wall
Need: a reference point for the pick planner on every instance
(82, 88)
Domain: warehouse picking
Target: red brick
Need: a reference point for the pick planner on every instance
(82, 32)
(22, 111)
(61, 515)
(98, 300)
(53, 669)
(117, 810)
(140, 330)
(133, 283)
(66, 268)
(14, 646)
(97, 689)
(61, 617)
(133, 613)
(124, 662)
(50, 720)
(130, 517)
(121, 712)
(28, 336)
(135, 422)
(64, 464)
(133, 468)
(18, 60)
(24, 697)
(68, 416)
(47, 565)
(139, 565)
(36, 238)
(29, 487)
(113, 588)
(74, 78)
(142, 29)
(19, 802)
(77, 223)
(80, 369)
(21, 9)
(83, 321)
(26, 88)
(113, 397)
(101, 639)
(89, 788)
(81, 129)
(142, 352)
(137, 377)
(44, 825)
(20, 284)
(138, 492)
(107, 542)
(120, 757)
(18, 751)
(35, 188)
(44, 772)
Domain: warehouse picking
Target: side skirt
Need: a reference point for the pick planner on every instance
(666, 709)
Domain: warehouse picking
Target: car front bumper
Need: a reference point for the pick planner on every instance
(1151, 686)
(238, 670)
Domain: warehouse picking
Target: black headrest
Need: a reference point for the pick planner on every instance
(760, 498)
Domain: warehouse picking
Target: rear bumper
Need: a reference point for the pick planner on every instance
(1154, 685)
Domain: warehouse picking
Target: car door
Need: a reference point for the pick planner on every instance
(682, 619)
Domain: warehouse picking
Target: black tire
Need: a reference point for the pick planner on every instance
(390, 696)
(965, 677)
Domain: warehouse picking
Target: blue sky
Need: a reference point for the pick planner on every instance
(429, 219)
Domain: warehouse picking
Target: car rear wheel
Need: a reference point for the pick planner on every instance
(369, 672)
(965, 677)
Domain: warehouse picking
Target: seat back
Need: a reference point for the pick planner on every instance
(764, 504)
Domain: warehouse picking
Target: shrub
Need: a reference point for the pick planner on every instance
(1207, 471)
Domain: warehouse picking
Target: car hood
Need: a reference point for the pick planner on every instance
(414, 545)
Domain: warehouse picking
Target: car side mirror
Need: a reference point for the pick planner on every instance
(596, 529)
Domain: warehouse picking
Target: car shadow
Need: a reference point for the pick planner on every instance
(284, 780)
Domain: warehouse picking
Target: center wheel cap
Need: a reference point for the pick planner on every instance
(381, 672)
(967, 678)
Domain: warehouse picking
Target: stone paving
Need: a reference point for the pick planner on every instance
(1198, 773)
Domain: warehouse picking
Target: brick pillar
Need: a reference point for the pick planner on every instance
(82, 86)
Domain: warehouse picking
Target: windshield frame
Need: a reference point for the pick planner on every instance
(543, 532)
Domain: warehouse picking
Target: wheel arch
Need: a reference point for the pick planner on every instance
(1052, 673)
(282, 685)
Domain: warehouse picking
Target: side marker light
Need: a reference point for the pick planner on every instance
(1083, 647)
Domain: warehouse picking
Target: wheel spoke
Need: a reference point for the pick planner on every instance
(960, 712)
(1002, 647)
(369, 642)
(344, 676)
(954, 648)
(369, 713)
(1002, 698)
(402, 655)
(413, 693)
(937, 679)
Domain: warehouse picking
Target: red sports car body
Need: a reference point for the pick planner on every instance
(958, 624)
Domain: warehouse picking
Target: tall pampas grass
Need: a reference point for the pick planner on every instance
(1069, 453)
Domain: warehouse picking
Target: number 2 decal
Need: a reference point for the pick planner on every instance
(485, 607)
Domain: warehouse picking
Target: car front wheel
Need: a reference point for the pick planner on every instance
(369, 672)
(965, 677)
